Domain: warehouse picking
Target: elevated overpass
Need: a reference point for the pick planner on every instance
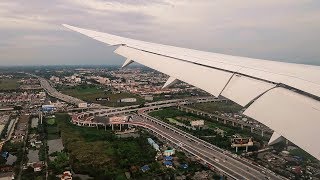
(216, 158)
(227, 163)
(86, 118)
(233, 121)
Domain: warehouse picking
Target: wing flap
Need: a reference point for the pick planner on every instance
(292, 114)
(242, 89)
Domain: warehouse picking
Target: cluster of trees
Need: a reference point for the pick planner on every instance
(15, 149)
(60, 163)
(100, 153)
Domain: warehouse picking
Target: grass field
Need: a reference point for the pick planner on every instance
(90, 94)
(51, 121)
(222, 107)
(9, 84)
(53, 132)
(171, 120)
(52, 129)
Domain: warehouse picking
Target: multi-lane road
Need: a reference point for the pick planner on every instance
(54, 93)
(229, 164)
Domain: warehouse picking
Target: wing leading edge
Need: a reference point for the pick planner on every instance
(283, 96)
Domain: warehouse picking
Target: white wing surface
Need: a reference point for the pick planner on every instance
(283, 96)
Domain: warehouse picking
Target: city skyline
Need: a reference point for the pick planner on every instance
(32, 33)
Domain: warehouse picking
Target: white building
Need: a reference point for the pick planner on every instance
(197, 123)
(169, 152)
(77, 80)
(102, 80)
(83, 105)
(148, 98)
(55, 79)
(128, 100)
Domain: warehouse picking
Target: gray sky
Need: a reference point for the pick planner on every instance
(286, 30)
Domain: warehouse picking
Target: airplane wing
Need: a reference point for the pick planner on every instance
(283, 96)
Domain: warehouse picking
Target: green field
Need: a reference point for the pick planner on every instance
(52, 129)
(51, 121)
(169, 113)
(171, 120)
(9, 84)
(52, 132)
(221, 107)
(90, 94)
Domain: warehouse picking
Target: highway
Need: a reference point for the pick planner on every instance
(54, 93)
(224, 161)
(215, 157)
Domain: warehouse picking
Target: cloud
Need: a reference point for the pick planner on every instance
(271, 29)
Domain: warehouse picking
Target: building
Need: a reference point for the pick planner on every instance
(118, 119)
(83, 105)
(101, 80)
(156, 147)
(184, 166)
(148, 98)
(167, 163)
(54, 78)
(128, 100)
(145, 168)
(77, 80)
(48, 108)
(150, 141)
(169, 152)
(66, 175)
(37, 167)
(7, 176)
(168, 158)
(153, 144)
(197, 123)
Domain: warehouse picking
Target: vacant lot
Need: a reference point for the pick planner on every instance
(9, 84)
(55, 145)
